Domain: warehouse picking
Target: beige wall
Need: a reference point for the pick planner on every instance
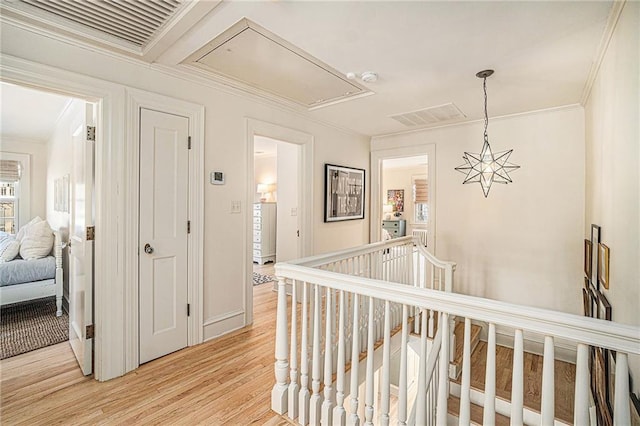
(264, 169)
(226, 111)
(612, 114)
(522, 244)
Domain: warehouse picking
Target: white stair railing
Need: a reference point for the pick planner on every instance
(354, 313)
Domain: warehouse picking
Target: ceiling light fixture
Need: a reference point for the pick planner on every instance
(486, 168)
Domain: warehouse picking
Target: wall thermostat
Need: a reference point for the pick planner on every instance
(217, 178)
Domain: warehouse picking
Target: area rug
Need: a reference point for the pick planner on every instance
(31, 325)
(262, 279)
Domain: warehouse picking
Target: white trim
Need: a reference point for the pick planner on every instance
(223, 317)
(109, 256)
(305, 194)
(137, 99)
(612, 23)
(376, 188)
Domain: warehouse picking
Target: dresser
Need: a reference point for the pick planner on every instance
(396, 228)
(264, 233)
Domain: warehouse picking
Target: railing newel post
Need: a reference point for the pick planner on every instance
(279, 393)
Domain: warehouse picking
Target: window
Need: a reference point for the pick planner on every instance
(12, 171)
(420, 199)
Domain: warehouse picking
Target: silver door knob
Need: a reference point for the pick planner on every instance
(148, 249)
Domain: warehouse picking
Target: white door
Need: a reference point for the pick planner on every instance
(164, 169)
(288, 245)
(81, 244)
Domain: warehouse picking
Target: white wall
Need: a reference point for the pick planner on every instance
(401, 178)
(522, 244)
(612, 114)
(59, 164)
(38, 165)
(287, 241)
(264, 171)
(226, 111)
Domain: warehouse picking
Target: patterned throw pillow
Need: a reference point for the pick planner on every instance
(9, 248)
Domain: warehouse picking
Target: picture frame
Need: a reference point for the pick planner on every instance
(603, 265)
(396, 198)
(611, 378)
(600, 373)
(588, 250)
(604, 307)
(595, 240)
(344, 193)
(586, 302)
(593, 301)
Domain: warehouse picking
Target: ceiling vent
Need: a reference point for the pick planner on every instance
(432, 115)
(135, 22)
(253, 56)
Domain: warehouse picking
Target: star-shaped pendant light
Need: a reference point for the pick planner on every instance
(486, 168)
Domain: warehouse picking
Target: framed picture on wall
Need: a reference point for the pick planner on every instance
(603, 265)
(595, 240)
(395, 197)
(343, 193)
(587, 257)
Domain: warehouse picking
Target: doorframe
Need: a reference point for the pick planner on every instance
(108, 276)
(135, 100)
(376, 187)
(255, 127)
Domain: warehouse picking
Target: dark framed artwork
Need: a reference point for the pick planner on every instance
(603, 265)
(593, 301)
(396, 198)
(344, 190)
(604, 307)
(586, 302)
(595, 240)
(587, 257)
(600, 391)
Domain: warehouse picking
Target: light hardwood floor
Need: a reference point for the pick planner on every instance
(223, 382)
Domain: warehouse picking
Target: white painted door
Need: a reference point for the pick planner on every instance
(81, 247)
(288, 245)
(164, 169)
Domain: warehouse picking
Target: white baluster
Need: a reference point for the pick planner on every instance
(547, 413)
(303, 396)
(339, 413)
(489, 417)
(327, 404)
(421, 414)
(386, 366)
(293, 355)
(465, 392)
(368, 400)
(517, 380)
(443, 374)
(431, 323)
(402, 380)
(315, 401)
(355, 360)
(621, 412)
(582, 392)
(280, 389)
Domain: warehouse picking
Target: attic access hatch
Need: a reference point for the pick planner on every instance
(249, 54)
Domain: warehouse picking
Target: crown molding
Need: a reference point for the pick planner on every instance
(480, 120)
(612, 23)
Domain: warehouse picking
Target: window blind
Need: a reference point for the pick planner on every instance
(420, 191)
(10, 171)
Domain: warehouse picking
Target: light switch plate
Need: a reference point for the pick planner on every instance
(236, 207)
(294, 211)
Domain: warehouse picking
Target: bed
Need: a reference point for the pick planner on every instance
(22, 280)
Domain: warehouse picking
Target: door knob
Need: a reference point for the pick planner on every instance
(148, 249)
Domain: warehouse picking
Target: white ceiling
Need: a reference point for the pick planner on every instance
(264, 146)
(404, 162)
(28, 114)
(426, 53)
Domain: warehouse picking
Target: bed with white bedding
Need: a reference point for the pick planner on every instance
(34, 277)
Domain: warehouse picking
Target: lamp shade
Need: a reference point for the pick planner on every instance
(263, 187)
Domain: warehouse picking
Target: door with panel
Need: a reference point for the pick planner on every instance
(81, 237)
(163, 233)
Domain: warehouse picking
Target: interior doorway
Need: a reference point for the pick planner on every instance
(403, 194)
(50, 137)
(276, 225)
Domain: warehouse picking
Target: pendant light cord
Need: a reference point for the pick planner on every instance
(486, 114)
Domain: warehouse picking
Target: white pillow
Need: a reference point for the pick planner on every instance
(23, 230)
(37, 241)
(9, 248)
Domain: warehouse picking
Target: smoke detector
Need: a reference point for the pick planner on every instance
(366, 77)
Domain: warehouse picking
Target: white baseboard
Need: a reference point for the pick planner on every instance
(223, 324)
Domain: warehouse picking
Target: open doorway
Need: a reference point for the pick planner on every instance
(46, 170)
(403, 194)
(276, 224)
